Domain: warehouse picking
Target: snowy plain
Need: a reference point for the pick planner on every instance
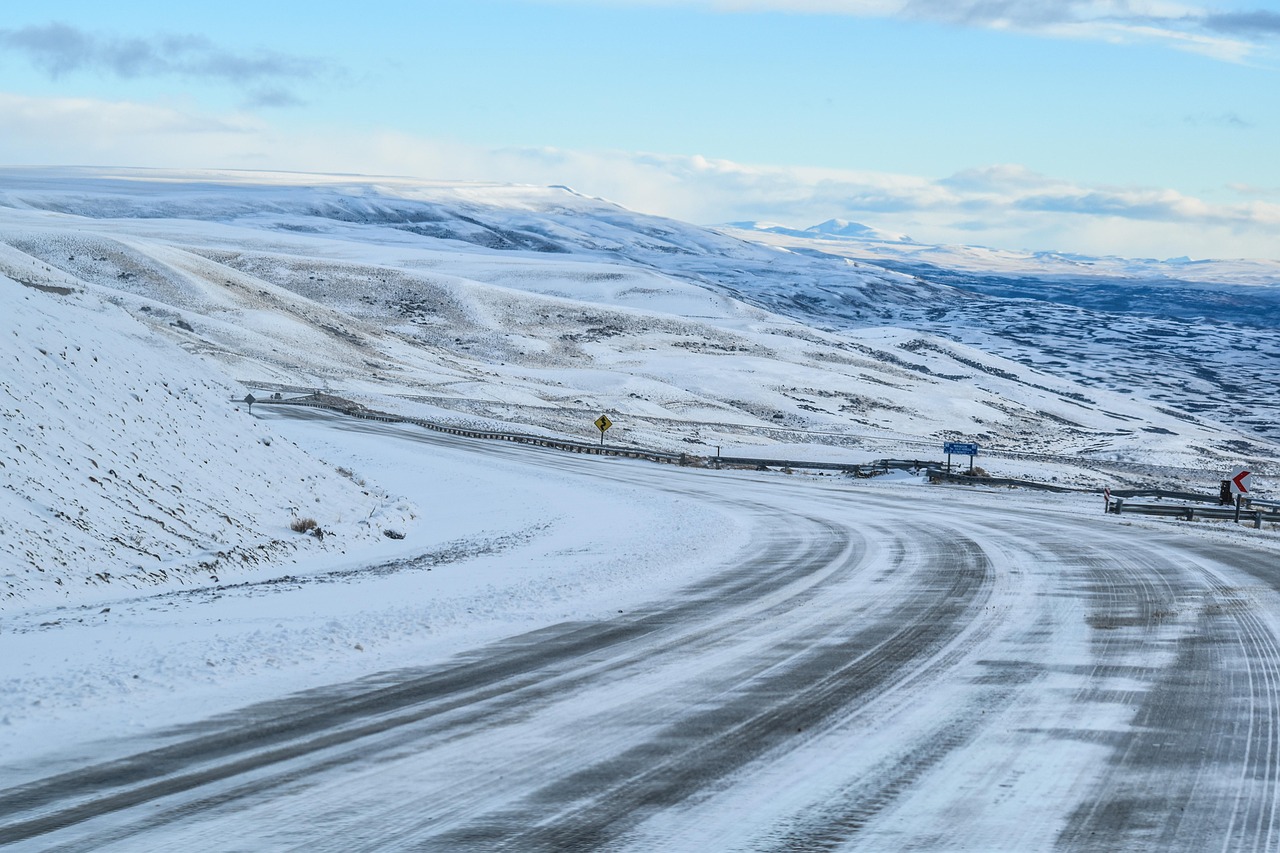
(154, 588)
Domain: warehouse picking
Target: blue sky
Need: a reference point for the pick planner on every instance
(1138, 128)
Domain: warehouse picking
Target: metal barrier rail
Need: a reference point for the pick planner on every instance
(336, 404)
(880, 466)
(1190, 513)
(356, 411)
(943, 476)
(1257, 509)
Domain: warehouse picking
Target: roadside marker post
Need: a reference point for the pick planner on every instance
(1241, 483)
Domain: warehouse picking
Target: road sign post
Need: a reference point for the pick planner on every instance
(960, 448)
(603, 423)
(1241, 483)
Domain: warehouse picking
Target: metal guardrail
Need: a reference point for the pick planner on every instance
(1186, 512)
(937, 475)
(357, 411)
(968, 479)
(1257, 510)
(857, 469)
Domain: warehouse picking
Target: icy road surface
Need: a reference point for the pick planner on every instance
(906, 668)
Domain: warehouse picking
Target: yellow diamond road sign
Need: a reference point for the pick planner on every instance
(603, 423)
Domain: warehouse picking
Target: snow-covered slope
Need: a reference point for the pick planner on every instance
(124, 462)
(1196, 337)
(133, 299)
(866, 242)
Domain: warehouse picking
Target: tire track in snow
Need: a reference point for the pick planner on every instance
(1197, 768)
(310, 724)
(1193, 768)
(594, 807)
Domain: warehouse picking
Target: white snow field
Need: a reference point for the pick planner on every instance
(491, 645)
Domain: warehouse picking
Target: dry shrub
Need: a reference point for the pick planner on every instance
(302, 525)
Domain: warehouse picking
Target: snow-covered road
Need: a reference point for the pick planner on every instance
(835, 665)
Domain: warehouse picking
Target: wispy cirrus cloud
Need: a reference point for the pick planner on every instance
(1234, 35)
(41, 121)
(60, 49)
(1230, 36)
(1228, 119)
(1252, 191)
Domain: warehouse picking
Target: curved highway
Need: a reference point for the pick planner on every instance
(887, 669)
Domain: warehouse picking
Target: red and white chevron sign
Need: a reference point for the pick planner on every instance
(1241, 481)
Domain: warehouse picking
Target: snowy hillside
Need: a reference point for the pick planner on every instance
(125, 465)
(857, 240)
(1197, 337)
(140, 305)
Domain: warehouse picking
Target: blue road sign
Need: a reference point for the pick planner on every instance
(960, 448)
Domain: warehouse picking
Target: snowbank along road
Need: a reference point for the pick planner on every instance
(873, 667)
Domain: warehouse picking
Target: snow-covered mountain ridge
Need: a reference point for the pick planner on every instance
(866, 242)
(1107, 322)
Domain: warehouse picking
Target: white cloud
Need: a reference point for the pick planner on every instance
(37, 129)
(1002, 205)
(1227, 36)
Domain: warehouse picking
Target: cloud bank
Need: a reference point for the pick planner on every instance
(1003, 205)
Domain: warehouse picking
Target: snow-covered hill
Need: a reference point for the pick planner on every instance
(1198, 337)
(125, 464)
(133, 299)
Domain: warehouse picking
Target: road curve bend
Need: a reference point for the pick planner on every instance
(889, 669)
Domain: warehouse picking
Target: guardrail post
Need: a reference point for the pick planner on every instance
(1119, 505)
(1257, 520)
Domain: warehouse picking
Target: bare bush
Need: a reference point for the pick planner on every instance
(302, 525)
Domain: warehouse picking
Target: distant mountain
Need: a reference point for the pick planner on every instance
(1244, 293)
(857, 231)
(1197, 336)
(864, 242)
(830, 228)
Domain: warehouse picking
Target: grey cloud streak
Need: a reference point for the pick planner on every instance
(1099, 18)
(1259, 24)
(59, 49)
